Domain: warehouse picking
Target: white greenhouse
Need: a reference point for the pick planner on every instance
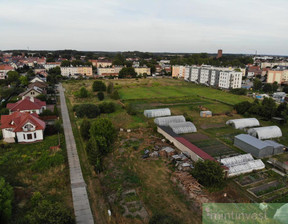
(242, 164)
(243, 123)
(157, 112)
(266, 132)
(183, 127)
(165, 121)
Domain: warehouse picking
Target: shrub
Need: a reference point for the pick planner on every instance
(83, 92)
(98, 86)
(6, 198)
(49, 212)
(85, 128)
(115, 95)
(46, 161)
(110, 88)
(88, 110)
(107, 108)
(131, 110)
(47, 113)
(4, 111)
(100, 96)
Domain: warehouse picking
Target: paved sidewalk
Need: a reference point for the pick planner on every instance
(81, 204)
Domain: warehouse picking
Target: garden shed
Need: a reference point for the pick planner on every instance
(206, 113)
(266, 132)
(183, 127)
(243, 123)
(157, 112)
(165, 121)
(255, 146)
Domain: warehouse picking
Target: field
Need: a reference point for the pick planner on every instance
(149, 180)
(33, 168)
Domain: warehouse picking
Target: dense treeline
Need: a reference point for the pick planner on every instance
(265, 109)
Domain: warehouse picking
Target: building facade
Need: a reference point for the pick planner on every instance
(72, 71)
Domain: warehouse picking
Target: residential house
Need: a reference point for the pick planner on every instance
(41, 85)
(4, 69)
(32, 92)
(37, 79)
(143, 70)
(25, 127)
(114, 71)
(27, 104)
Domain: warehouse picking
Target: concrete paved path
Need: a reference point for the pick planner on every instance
(81, 204)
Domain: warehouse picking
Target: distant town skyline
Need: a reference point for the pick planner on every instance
(182, 26)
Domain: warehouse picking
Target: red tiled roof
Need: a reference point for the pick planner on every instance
(26, 104)
(19, 120)
(6, 67)
(194, 149)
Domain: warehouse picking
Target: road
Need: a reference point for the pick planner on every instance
(81, 204)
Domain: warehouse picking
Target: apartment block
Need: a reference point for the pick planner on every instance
(72, 71)
(143, 70)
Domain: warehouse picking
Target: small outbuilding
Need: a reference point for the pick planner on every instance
(255, 146)
(266, 132)
(206, 113)
(165, 121)
(157, 112)
(183, 127)
(243, 123)
(278, 148)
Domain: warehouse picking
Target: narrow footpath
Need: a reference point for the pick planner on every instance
(81, 204)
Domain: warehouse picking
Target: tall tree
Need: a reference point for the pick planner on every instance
(257, 84)
(127, 73)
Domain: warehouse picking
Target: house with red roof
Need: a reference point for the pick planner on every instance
(25, 127)
(27, 104)
(4, 69)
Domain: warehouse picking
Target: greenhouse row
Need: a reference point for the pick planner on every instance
(183, 127)
(157, 112)
(243, 123)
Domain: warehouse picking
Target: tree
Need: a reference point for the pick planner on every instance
(83, 93)
(274, 86)
(85, 129)
(267, 88)
(285, 89)
(104, 127)
(130, 108)
(24, 80)
(65, 63)
(268, 108)
(128, 72)
(6, 198)
(239, 91)
(257, 84)
(242, 107)
(41, 97)
(94, 154)
(110, 88)
(98, 86)
(209, 173)
(88, 110)
(13, 76)
(100, 96)
(54, 75)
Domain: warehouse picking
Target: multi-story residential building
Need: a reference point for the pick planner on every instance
(230, 79)
(104, 63)
(114, 71)
(204, 75)
(178, 71)
(195, 74)
(50, 65)
(275, 76)
(4, 69)
(143, 70)
(81, 70)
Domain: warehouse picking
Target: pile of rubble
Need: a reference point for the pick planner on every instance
(190, 186)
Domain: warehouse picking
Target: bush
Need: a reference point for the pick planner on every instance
(6, 198)
(242, 107)
(131, 110)
(110, 88)
(88, 110)
(4, 111)
(85, 128)
(47, 113)
(41, 97)
(48, 212)
(239, 91)
(83, 93)
(107, 108)
(98, 86)
(46, 161)
(100, 96)
(115, 95)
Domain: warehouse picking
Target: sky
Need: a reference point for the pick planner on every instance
(236, 26)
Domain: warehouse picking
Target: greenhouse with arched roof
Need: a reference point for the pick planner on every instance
(243, 123)
(266, 132)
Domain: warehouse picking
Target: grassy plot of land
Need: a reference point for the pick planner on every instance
(35, 167)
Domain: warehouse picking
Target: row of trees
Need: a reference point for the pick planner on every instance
(100, 135)
(92, 110)
(266, 88)
(265, 109)
(75, 63)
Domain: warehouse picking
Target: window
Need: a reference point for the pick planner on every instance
(29, 136)
(35, 135)
(24, 136)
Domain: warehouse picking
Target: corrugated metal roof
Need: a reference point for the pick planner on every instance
(252, 141)
(273, 143)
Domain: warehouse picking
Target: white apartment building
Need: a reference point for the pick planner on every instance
(230, 79)
(204, 75)
(195, 73)
(72, 71)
